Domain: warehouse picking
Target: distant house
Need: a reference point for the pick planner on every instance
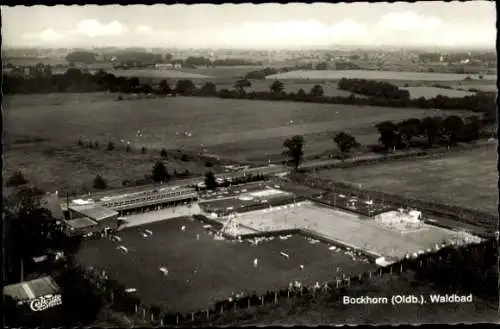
(168, 66)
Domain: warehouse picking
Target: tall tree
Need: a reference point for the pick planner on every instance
(209, 88)
(185, 87)
(317, 91)
(294, 150)
(99, 183)
(389, 135)
(433, 129)
(408, 129)
(454, 128)
(16, 179)
(473, 127)
(241, 84)
(277, 87)
(164, 87)
(160, 173)
(345, 142)
(210, 180)
(29, 229)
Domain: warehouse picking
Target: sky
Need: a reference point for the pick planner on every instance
(263, 26)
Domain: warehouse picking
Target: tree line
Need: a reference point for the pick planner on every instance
(74, 80)
(435, 130)
(373, 88)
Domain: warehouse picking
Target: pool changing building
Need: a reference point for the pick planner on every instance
(93, 215)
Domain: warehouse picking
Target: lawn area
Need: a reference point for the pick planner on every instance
(206, 270)
(41, 131)
(70, 168)
(330, 311)
(468, 179)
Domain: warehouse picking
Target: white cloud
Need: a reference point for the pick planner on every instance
(49, 35)
(306, 32)
(93, 28)
(408, 20)
(394, 28)
(144, 29)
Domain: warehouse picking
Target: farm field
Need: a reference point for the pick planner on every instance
(154, 73)
(448, 179)
(41, 132)
(70, 168)
(330, 310)
(347, 228)
(206, 270)
(430, 92)
(374, 75)
(235, 72)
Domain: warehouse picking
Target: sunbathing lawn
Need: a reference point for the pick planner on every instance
(467, 179)
(205, 270)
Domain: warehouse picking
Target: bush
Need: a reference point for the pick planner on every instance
(100, 183)
(17, 179)
(111, 146)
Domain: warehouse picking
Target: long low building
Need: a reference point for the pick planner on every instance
(94, 215)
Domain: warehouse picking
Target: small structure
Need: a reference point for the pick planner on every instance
(90, 218)
(31, 301)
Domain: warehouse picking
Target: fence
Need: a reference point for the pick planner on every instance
(338, 286)
(115, 293)
(466, 215)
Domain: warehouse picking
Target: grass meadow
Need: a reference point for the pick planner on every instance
(468, 179)
(41, 132)
(205, 270)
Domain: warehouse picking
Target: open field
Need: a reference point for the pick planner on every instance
(450, 179)
(155, 73)
(374, 75)
(430, 92)
(206, 270)
(330, 310)
(68, 167)
(41, 131)
(346, 228)
(235, 72)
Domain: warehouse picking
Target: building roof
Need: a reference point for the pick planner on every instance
(79, 223)
(31, 289)
(93, 211)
